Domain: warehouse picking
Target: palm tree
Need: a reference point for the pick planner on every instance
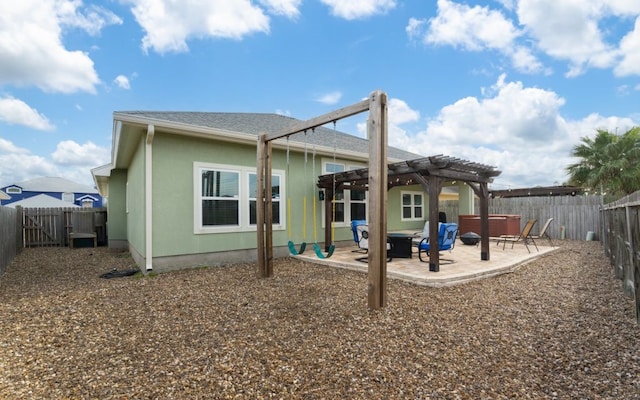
(609, 163)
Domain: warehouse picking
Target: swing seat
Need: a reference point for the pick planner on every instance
(320, 254)
(294, 251)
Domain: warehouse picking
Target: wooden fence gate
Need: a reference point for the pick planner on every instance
(52, 226)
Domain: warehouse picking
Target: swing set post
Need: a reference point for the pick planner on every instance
(264, 232)
(376, 104)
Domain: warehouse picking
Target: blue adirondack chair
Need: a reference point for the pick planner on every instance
(446, 240)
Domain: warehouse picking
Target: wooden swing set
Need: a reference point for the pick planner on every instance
(377, 132)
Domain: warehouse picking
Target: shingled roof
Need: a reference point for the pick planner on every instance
(256, 123)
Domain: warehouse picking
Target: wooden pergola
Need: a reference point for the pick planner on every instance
(431, 173)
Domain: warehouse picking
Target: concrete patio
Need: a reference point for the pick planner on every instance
(466, 265)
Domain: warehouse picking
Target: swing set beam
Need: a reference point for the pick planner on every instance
(377, 133)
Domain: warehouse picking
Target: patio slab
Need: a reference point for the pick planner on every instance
(466, 266)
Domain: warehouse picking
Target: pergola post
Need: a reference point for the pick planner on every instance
(482, 191)
(435, 186)
(484, 221)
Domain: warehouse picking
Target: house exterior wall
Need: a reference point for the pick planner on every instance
(135, 208)
(466, 199)
(394, 209)
(173, 189)
(176, 243)
(117, 209)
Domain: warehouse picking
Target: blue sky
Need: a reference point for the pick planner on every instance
(510, 83)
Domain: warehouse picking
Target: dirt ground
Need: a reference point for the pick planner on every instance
(557, 328)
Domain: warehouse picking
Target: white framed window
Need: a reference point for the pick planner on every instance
(225, 198)
(338, 207)
(13, 190)
(412, 206)
(253, 201)
(349, 204)
(358, 201)
(68, 197)
(220, 197)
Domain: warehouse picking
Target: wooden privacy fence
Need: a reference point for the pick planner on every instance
(10, 237)
(576, 215)
(620, 234)
(52, 226)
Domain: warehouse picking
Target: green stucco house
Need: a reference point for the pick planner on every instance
(181, 187)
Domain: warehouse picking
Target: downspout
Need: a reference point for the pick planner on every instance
(148, 199)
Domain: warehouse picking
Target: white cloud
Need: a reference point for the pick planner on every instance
(574, 31)
(288, 8)
(474, 29)
(31, 47)
(169, 24)
(415, 28)
(8, 147)
(518, 129)
(630, 49)
(70, 153)
(399, 113)
(330, 98)
(568, 30)
(471, 28)
(17, 112)
(122, 82)
(22, 167)
(19, 164)
(515, 128)
(356, 9)
(92, 19)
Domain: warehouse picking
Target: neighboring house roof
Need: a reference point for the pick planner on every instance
(256, 123)
(54, 184)
(4, 196)
(101, 178)
(41, 201)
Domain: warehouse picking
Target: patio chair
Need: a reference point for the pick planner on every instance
(83, 227)
(354, 224)
(424, 234)
(363, 242)
(544, 234)
(524, 237)
(447, 234)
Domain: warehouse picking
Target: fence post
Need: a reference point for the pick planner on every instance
(19, 229)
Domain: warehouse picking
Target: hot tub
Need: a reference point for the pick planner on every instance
(499, 224)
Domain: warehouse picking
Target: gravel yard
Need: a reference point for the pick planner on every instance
(558, 328)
